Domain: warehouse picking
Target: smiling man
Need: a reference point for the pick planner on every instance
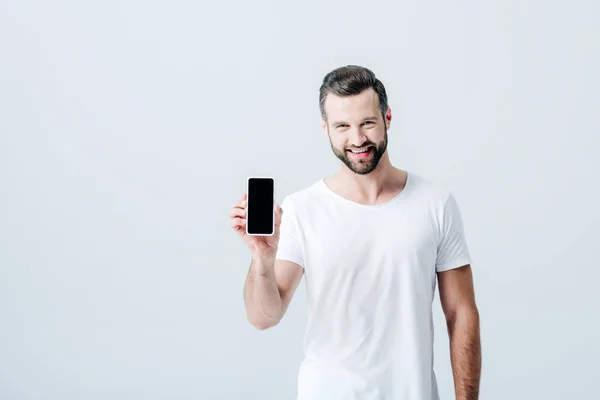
(372, 242)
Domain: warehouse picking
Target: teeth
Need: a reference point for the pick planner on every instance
(359, 151)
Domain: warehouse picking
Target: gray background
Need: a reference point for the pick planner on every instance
(128, 130)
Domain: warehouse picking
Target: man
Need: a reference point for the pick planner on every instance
(371, 241)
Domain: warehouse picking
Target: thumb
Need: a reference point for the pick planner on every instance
(278, 215)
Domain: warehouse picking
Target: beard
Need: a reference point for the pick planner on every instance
(362, 166)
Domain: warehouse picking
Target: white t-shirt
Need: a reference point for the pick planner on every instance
(370, 275)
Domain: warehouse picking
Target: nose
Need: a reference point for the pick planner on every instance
(357, 138)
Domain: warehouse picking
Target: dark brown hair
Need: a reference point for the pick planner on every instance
(351, 80)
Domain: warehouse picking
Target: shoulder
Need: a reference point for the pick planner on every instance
(429, 191)
(303, 197)
(440, 203)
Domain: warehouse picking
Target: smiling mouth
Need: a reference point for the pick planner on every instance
(362, 153)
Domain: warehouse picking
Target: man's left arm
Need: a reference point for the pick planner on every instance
(462, 318)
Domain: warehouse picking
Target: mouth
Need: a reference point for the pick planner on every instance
(361, 153)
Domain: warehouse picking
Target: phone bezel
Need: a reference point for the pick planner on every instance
(248, 202)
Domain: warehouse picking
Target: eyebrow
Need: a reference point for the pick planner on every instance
(363, 120)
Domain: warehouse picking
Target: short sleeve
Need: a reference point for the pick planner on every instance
(452, 249)
(290, 245)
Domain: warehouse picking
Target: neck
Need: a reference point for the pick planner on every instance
(383, 179)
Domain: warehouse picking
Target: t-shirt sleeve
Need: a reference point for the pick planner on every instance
(452, 249)
(290, 244)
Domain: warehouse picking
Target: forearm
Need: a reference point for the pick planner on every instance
(465, 354)
(261, 294)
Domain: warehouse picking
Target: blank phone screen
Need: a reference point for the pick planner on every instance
(260, 206)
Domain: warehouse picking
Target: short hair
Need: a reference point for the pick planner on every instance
(351, 80)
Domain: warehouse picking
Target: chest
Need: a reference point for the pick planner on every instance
(397, 242)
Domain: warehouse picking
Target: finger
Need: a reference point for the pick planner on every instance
(238, 222)
(278, 215)
(240, 204)
(240, 230)
(245, 196)
(238, 212)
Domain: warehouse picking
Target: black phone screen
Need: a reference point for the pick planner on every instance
(259, 217)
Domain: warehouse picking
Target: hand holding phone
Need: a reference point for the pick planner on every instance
(256, 217)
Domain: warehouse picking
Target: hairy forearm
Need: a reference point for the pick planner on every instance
(465, 353)
(261, 294)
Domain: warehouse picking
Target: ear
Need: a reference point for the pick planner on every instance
(388, 117)
(324, 126)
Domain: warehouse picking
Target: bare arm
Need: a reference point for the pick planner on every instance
(268, 290)
(462, 318)
(270, 283)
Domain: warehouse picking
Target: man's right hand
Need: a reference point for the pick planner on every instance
(260, 246)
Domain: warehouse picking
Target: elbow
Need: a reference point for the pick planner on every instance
(263, 326)
(466, 314)
(262, 323)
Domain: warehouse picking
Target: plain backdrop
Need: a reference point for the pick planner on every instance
(127, 131)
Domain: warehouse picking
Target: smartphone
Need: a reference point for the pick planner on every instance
(260, 213)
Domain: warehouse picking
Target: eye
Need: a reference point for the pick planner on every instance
(369, 122)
